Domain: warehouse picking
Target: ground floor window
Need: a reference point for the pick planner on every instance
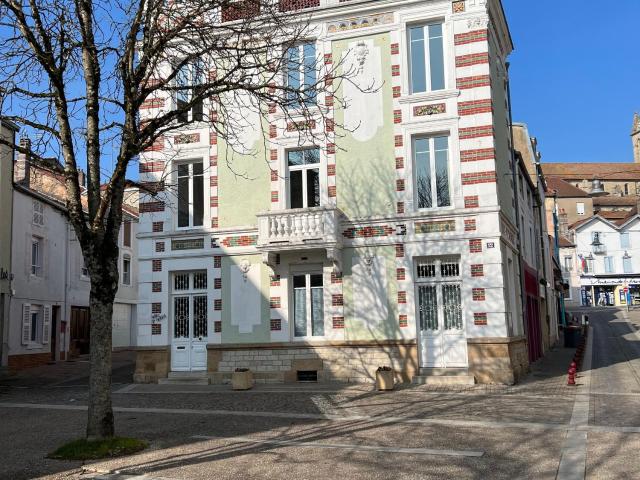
(308, 305)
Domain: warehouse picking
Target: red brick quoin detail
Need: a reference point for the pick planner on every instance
(478, 177)
(337, 300)
(471, 201)
(475, 245)
(400, 274)
(478, 294)
(332, 191)
(399, 250)
(159, 247)
(157, 227)
(152, 103)
(465, 83)
(274, 302)
(475, 107)
(476, 132)
(471, 37)
(469, 224)
(472, 59)
(217, 304)
(402, 297)
(156, 146)
(156, 307)
(156, 265)
(477, 154)
(149, 167)
(403, 321)
(217, 261)
(217, 326)
(480, 319)
(338, 322)
(477, 270)
(156, 287)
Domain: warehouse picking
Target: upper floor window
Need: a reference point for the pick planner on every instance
(608, 265)
(38, 213)
(580, 208)
(36, 256)
(568, 263)
(126, 233)
(189, 79)
(627, 265)
(624, 240)
(190, 194)
(426, 58)
(431, 160)
(126, 270)
(300, 75)
(304, 178)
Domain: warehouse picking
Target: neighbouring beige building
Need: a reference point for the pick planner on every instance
(7, 132)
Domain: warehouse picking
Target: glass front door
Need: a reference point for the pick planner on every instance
(189, 322)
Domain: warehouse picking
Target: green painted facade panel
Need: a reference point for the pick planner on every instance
(356, 328)
(243, 185)
(365, 171)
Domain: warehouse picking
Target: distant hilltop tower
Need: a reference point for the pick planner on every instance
(635, 138)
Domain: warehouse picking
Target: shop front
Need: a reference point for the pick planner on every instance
(610, 290)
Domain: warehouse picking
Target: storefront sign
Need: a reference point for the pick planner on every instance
(587, 281)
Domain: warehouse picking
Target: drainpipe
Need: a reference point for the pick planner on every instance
(514, 173)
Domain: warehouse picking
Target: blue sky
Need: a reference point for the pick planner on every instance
(575, 76)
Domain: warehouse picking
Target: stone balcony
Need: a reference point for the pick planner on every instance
(315, 228)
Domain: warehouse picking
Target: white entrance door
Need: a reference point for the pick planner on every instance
(121, 325)
(189, 315)
(440, 320)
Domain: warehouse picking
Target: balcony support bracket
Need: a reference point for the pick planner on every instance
(269, 259)
(334, 255)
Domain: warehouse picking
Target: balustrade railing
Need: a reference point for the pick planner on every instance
(298, 226)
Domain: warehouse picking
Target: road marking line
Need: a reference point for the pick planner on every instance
(370, 448)
(573, 461)
(379, 420)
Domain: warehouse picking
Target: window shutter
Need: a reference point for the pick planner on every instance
(26, 323)
(46, 323)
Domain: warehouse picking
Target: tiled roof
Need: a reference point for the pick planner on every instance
(564, 242)
(588, 171)
(564, 189)
(615, 201)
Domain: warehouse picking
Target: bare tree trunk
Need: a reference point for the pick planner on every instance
(100, 422)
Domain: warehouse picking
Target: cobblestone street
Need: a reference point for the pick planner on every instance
(324, 430)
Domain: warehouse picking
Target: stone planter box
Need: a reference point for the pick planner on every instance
(384, 380)
(242, 380)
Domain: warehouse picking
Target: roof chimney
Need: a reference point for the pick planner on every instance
(22, 172)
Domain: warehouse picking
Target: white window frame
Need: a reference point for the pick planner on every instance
(38, 213)
(625, 243)
(427, 59)
(568, 259)
(190, 177)
(196, 76)
(580, 208)
(627, 262)
(303, 168)
(307, 274)
(309, 101)
(432, 165)
(36, 263)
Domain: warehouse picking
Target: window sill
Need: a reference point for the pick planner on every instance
(35, 346)
(428, 96)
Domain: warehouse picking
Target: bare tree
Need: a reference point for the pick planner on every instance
(78, 72)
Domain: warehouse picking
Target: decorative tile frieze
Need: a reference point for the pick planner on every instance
(241, 241)
(435, 226)
(185, 138)
(369, 231)
(427, 110)
(187, 244)
(355, 23)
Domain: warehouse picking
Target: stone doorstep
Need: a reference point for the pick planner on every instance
(185, 378)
